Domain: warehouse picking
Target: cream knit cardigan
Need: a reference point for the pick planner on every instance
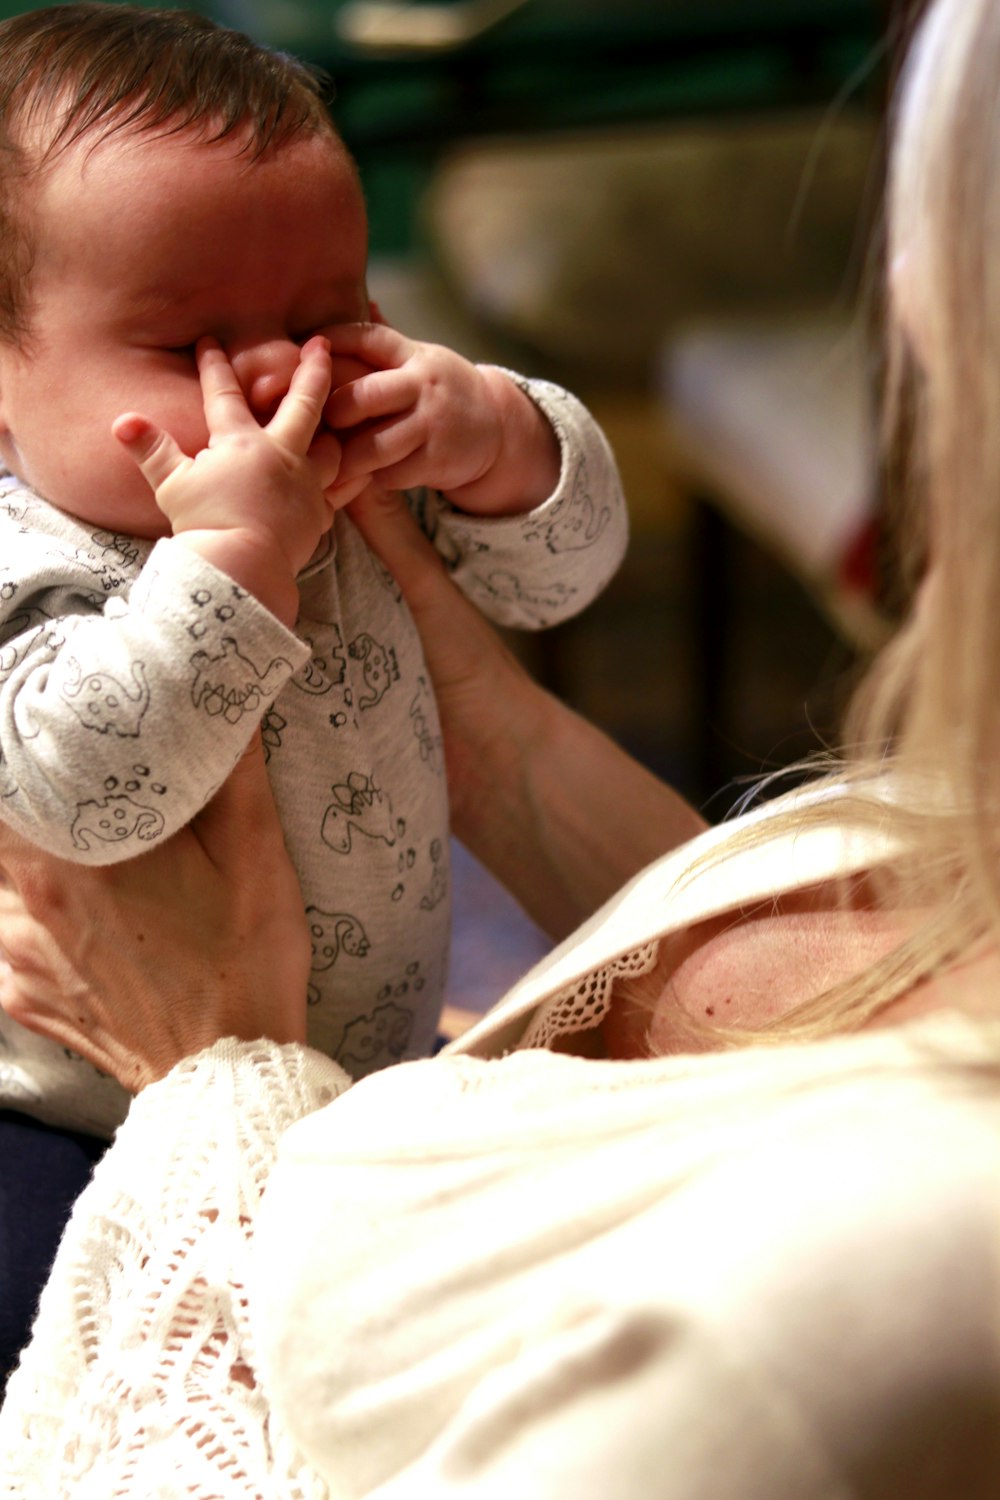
(536, 1277)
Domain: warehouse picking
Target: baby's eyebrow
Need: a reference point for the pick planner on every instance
(184, 309)
(160, 297)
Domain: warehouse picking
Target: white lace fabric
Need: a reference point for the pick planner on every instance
(140, 1379)
(582, 1005)
(140, 1376)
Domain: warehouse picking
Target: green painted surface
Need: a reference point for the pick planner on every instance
(557, 65)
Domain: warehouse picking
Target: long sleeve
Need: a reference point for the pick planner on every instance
(140, 1377)
(542, 567)
(126, 695)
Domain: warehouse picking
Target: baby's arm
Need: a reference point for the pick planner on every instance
(526, 508)
(120, 717)
(253, 502)
(425, 418)
(123, 705)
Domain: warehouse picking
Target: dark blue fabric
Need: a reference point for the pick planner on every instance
(42, 1173)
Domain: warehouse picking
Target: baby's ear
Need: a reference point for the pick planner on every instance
(3, 386)
(8, 448)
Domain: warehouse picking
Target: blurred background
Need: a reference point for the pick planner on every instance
(672, 208)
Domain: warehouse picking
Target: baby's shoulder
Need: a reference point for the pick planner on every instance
(46, 552)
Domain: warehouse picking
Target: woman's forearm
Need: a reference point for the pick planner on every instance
(557, 811)
(562, 816)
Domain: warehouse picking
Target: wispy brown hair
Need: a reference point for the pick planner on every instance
(90, 69)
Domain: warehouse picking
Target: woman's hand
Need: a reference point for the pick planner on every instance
(559, 813)
(139, 965)
(489, 707)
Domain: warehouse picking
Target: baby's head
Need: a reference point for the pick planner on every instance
(161, 178)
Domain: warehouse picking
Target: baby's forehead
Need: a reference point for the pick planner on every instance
(154, 227)
(49, 132)
(139, 176)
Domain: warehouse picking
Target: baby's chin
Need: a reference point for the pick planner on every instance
(136, 522)
(135, 515)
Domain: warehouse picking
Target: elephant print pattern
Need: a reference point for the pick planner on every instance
(114, 820)
(333, 933)
(103, 703)
(379, 669)
(133, 676)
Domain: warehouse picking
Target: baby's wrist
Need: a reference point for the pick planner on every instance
(254, 562)
(525, 472)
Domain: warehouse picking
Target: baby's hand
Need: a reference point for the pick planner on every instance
(253, 502)
(426, 417)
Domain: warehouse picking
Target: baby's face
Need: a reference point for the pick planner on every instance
(142, 246)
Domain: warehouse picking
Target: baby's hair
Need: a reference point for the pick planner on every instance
(92, 69)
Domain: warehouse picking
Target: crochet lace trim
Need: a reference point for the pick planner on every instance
(584, 1003)
(142, 1377)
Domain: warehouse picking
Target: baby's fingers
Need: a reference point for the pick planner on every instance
(384, 449)
(325, 457)
(226, 407)
(384, 393)
(376, 344)
(298, 416)
(153, 451)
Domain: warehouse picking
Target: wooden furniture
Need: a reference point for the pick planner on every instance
(772, 426)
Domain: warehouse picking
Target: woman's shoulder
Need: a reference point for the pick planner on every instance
(817, 834)
(700, 1107)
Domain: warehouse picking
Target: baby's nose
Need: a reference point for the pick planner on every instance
(264, 369)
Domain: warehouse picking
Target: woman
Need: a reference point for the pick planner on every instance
(688, 1264)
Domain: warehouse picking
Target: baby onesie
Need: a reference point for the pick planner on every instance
(133, 675)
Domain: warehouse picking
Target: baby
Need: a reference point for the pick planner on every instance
(193, 384)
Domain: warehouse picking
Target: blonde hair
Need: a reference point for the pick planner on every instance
(944, 218)
(928, 710)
